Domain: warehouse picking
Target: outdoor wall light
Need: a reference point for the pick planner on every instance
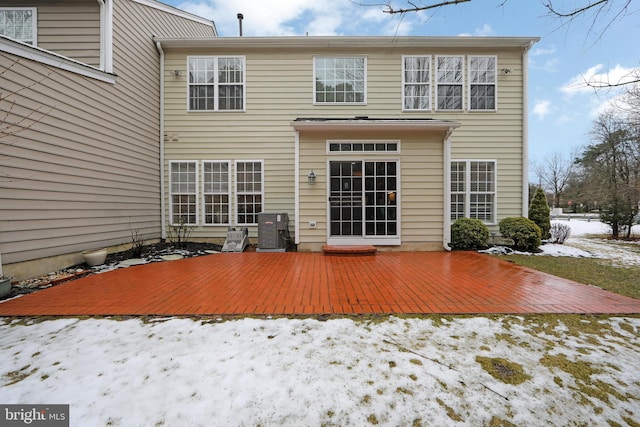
(177, 73)
(311, 178)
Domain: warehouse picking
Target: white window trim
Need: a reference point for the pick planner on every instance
(364, 240)
(171, 162)
(230, 193)
(437, 83)
(430, 82)
(34, 23)
(365, 97)
(467, 187)
(216, 85)
(470, 83)
(362, 141)
(238, 193)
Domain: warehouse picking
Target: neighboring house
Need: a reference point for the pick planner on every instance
(80, 126)
(361, 140)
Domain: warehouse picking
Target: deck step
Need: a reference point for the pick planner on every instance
(349, 250)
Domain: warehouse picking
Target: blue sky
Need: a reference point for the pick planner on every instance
(561, 107)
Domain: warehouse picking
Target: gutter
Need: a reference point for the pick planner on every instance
(163, 228)
(446, 237)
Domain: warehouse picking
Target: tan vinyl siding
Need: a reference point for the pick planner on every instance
(84, 172)
(279, 89)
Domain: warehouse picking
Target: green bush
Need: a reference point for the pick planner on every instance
(525, 234)
(539, 212)
(469, 234)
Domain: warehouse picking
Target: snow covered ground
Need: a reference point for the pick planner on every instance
(433, 371)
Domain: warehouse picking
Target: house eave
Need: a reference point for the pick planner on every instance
(432, 125)
(345, 42)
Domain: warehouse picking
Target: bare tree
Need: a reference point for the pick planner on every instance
(554, 173)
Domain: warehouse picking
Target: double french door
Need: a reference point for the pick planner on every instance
(363, 199)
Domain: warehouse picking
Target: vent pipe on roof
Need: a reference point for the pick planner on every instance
(240, 18)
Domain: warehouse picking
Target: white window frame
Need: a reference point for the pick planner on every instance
(239, 193)
(363, 146)
(471, 82)
(469, 191)
(445, 82)
(338, 57)
(34, 23)
(216, 83)
(214, 192)
(193, 193)
(427, 82)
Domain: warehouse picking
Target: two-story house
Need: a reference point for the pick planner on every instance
(360, 140)
(80, 126)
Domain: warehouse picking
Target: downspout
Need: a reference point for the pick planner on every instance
(525, 130)
(446, 238)
(163, 221)
(296, 180)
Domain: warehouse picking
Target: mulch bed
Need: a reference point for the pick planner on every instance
(151, 253)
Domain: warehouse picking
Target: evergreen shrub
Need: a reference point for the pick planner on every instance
(469, 234)
(525, 233)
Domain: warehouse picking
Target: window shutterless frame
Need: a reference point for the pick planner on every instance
(449, 72)
(216, 83)
(474, 190)
(216, 192)
(339, 80)
(482, 90)
(249, 191)
(20, 23)
(183, 192)
(416, 83)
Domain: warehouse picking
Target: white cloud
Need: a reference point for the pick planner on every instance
(597, 76)
(295, 17)
(485, 30)
(541, 108)
(538, 51)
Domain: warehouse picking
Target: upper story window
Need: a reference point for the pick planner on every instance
(449, 82)
(340, 80)
(482, 82)
(19, 23)
(216, 83)
(416, 82)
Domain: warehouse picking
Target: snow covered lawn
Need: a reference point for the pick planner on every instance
(341, 372)
(432, 371)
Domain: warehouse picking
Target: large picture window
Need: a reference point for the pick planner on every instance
(416, 79)
(473, 190)
(249, 191)
(19, 23)
(183, 189)
(449, 82)
(339, 80)
(216, 83)
(482, 82)
(216, 192)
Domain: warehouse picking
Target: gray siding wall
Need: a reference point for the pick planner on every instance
(83, 169)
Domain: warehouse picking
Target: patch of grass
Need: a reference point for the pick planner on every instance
(499, 422)
(591, 271)
(450, 411)
(373, 419)
(416, 362)
(16, 376)
(582, 372)
(503, 370)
